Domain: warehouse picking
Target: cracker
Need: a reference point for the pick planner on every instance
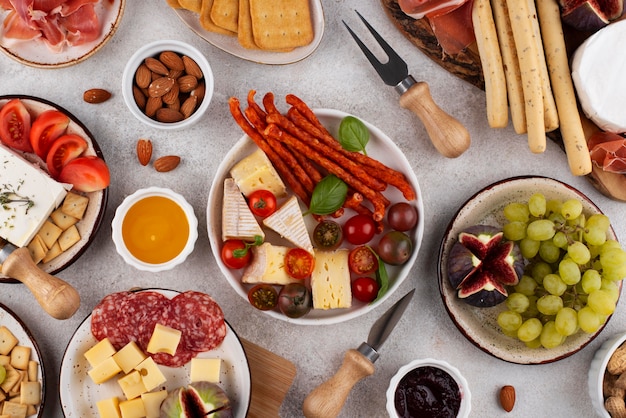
(244, 26)
(280, 24)
(52, 253)
(7, 340)
(193, 5)
(37, 249)
(69, 237)
(206, 21)
(75, 205)
(49, 233)
(224, 13)
(62, 219)
(174, 4)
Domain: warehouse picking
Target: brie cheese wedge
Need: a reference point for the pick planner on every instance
(289, 223)
(238, 222)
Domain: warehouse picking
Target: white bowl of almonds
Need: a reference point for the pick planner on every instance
(607, 377)
(168, 84)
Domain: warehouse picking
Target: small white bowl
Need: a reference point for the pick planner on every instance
(153, 50)
(466, 396)
(596, 372)
(122, 212)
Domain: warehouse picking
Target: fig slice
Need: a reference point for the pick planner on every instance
(590, 15)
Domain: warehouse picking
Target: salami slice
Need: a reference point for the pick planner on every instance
(139, 313)
(105, 320)
(179, 359)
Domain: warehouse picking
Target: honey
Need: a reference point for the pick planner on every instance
(155, 230)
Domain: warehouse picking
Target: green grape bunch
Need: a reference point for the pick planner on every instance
(571, 282)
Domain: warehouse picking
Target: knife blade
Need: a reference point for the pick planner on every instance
(327, 400)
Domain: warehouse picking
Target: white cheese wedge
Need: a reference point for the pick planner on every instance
(268, 266)
(238, 222)
(598, 69)
(256, 172)
(330, 280)
(289, 223)
(19, 179)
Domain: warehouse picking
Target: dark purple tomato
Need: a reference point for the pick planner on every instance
(327, 235)
(395, 247)
(402, 216)
(359, 229)
(294, 300)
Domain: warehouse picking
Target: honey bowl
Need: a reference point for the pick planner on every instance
(154, 229)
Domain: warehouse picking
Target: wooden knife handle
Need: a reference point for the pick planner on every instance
(327, 400)
(446, 133)
(56, 297)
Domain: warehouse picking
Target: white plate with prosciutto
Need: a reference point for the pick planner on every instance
(141, 309)
(61, 34)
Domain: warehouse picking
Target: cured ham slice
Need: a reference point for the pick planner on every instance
(453, 28)
(608, 151)
(70, 6)
(82, 26)
(14, 27)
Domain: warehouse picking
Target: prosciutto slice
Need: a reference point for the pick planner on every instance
(608, 151)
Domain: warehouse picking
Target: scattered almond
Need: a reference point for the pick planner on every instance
(507, 397)
(172, 60)
(144, 151)
(167, 163)
(169, 115)
(192, 68)
(156, 66)
(96, 96)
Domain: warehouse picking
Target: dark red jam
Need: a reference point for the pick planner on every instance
(427, 392)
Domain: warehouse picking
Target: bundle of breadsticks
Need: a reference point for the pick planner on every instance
(526, 70)
(303, 151)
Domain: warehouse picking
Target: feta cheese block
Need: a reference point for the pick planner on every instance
(330, 280)
(598, 69)
(268, 265)
(256, 172)
(238, 222)
(289, 223)
(33, 194)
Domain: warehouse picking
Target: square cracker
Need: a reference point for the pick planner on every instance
(75, 205)
(224, 13)
(208, 23)
(193, 5)
(281, 24)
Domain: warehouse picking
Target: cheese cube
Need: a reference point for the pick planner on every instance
(268, 266)
(205, 370)
(109, 408)
(152, 402)
(256, 172)
(164, 340)
(132, 385)
(132, 408)
(129, 356)
(104, 371)
(99, 352)
(150, 373)
(330, 280)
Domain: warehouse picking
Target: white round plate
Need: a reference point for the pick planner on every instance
(382, 148)
(36, 53)
(89, 225)
(479, 325)
(234, 379)
(231, 45)
(24, 337)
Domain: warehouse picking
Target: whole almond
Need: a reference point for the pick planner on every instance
(152, 105)
(507, 398)
(171, 96)
(187, 83)
(139, 97)
(96, 96)
(167, 163)
(168, 115)
(143, 76)
(156, 66)
(175, 74)
(144, 151)
(161, 86)
(189, 106)
(192, 68)
(172, 60)
(199, 91)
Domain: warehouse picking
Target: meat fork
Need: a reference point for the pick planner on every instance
(446, 133)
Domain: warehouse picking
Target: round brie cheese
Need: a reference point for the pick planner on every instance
(598, 72)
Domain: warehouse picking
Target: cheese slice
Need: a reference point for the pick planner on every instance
(330, 280)
(21, 180)
(268, 266)
(289, 223)
(256, 172)
(238, 222)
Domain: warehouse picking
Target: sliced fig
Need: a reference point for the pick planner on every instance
(198, 400)
(590, 15)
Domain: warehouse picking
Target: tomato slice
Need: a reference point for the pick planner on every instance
(87, 174)
(362, 260)
(299, 263)
(62, 151)
(262, 203)
(46, 128)
(263, 296)
(15, 125)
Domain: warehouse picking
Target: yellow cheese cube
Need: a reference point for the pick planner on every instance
(132, 408)
(132, 385)
(109, 408)
(99, 352)
(164, 340)
(129, 356)
(152, 402)
(330, 280)
(205, 370)
(256, 172)
(104, 371)
(150, 373)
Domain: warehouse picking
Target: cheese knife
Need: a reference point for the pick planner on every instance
(327, 399)
(58, 298)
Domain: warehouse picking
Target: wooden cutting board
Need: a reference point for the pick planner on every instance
(272, 376)
(466, 65)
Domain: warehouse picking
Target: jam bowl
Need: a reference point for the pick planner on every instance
(437, 379)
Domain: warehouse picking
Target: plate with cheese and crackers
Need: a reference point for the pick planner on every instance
(261, 31)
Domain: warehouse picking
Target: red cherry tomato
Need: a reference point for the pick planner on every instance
(15, 125)
(46, 128)
(359, 229)
(262, 203)
(263, 296)
(365, 289)
(299, 263)
(87, 174)
(362, 260)
(235, 254)
(62, 151)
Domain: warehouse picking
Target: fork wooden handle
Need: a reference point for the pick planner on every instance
(446, 133)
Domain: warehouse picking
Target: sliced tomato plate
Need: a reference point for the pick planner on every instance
(89, 225)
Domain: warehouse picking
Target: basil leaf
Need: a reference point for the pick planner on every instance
(353, 134)
(382, 277)
(328, 196)
(241, 252)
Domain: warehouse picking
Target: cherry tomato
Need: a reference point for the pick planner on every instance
(359, 229)
(87, 174)
(263, 296)
(365, 289)
(46, 128)
(62, 151)
(15, 125)
(262, 203)
(233, 258)
(299, 263)
(327, 235)
(395, 247)
(294, 300)
(362, 260)
(402, 216)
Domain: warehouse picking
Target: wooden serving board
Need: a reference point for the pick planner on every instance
(272, 376)
(466, 65)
